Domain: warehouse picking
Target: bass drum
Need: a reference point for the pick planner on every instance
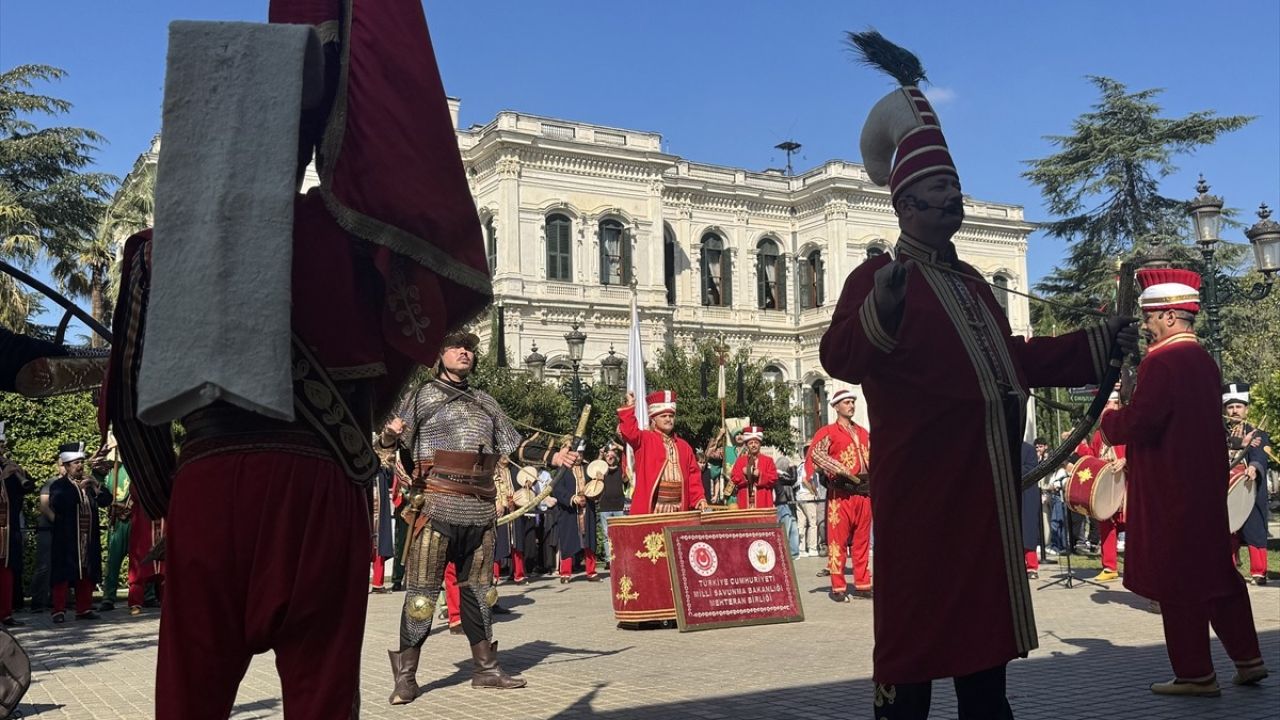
(1096, 489)
(1240, 492)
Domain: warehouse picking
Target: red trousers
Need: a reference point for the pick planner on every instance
(1032, 560)
(1257, 557)
(1186, 633)
(6, 593)
(1109, 537)
(84, 596)
(379, 569)
(452, 597)
(497, 572)
(517, 565)
(277, 560)
(566, 564)
(848, 519)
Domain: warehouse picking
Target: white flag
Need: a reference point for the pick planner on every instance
(720, 391)
(635, 367)
(635, 382)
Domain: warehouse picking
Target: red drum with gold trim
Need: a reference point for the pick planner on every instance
(1240, 500)
(638, 573)
(1096, 489)
(767, 516)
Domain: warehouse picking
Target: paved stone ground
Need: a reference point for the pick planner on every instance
(1099, 649)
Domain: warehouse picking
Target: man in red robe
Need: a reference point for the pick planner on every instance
(668, 478)
(387, 258)
(754, 474)
(842, 452)
(1177, 493)
(1108, 530)
(931, 347)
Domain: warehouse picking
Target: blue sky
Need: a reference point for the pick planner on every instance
(725, 81)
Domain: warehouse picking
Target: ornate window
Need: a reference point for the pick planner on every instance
(773, 379)
(1001, 290)
(874, 249)
(812, 293)
(491, 244)
(772, 373)
(615, 254)
(771, 277)
(717, 285)
(669, 263)
(559, 248)
(815, 407)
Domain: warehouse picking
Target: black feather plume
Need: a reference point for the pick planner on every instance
(873, 50)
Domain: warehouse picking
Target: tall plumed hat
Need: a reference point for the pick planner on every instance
(1236, 392)
(1169, 289)
(902, 139)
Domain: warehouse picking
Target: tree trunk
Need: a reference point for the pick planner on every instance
(97, 303)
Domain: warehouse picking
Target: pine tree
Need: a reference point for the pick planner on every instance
(50, 206)
(1103, 188)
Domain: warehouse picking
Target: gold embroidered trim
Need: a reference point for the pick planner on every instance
(1003, 476)
(368, 228)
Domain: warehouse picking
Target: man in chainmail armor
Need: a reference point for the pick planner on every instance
(455, 435)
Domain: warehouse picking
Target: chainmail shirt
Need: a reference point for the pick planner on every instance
(439, 416)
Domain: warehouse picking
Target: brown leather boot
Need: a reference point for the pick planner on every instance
(485, 672)
(404, 667)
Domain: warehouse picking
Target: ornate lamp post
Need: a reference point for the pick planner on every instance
(536, 362)
(576, 340)
(611, 370)
(1206, 221)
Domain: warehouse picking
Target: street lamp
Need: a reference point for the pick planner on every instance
(1206, 221)
(611, 370)
(536, 362)
(576, 340)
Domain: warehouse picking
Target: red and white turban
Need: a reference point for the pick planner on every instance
(752, 432)
(661, 401)
(1169, 289)
(842, 394)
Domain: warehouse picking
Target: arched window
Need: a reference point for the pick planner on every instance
(491, 244)
(669, 263)
(559, 248)
(812, 293)
(772, 375)
(1001, 290)
(771, 277)
(615, 254)
(717, 286)
(815, 410)
(874, 249)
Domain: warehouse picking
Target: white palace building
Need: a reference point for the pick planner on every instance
(574, 213)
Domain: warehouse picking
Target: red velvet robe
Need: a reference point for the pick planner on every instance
(829, 451)
(947, 467)
(1177, 544)
(764, 486)
(651, 455)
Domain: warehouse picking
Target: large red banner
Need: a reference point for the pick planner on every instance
(732, 575)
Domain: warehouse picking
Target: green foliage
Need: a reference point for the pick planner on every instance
(698, 417)
(35, 429)
(1103, 187)
(549, 405)
(1249, 334)
(50, 206)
